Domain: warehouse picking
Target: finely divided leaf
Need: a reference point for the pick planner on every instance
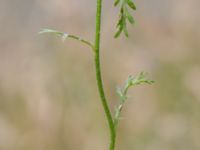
(122, 92)
(124, 16)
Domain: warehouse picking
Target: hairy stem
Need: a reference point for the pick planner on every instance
(99, 78)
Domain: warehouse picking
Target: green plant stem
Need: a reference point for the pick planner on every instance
(99, 78)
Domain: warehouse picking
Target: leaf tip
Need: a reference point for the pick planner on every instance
(44, 30)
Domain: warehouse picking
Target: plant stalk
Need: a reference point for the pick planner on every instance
(99, 78)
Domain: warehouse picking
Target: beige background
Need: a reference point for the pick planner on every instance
(48, 93)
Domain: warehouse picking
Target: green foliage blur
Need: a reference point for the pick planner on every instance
(48, 93)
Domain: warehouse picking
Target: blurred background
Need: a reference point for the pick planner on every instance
(48, 93)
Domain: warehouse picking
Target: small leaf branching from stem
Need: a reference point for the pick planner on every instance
(122, 92)
(64, 36)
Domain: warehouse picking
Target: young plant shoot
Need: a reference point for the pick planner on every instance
(125, 16)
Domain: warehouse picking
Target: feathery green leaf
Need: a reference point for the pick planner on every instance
(124, 15)
(122, 92)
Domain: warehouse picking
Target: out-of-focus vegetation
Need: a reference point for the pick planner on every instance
(48, 93)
